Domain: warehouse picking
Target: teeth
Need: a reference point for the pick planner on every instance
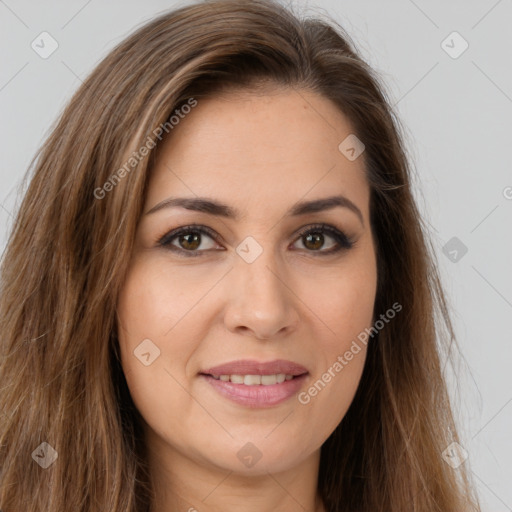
(255, 380)
(252, 380)
(267, 380)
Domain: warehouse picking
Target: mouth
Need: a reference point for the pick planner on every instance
(256, 384)
(255, 380)
(253, 369)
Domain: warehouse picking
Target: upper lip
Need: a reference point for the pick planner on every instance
(252, 367)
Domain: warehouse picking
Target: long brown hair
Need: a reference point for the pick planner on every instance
(67, 255)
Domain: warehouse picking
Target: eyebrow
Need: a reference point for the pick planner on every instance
(212, 207)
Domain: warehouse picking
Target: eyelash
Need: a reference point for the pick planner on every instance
(344, 242)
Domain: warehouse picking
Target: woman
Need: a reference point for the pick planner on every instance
(218, 292)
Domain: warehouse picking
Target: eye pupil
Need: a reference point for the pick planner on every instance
(196, 241)
(317, 238)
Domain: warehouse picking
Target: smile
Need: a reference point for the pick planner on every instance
(257, 391)
(255, 380)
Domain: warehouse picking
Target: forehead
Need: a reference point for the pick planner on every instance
(277, 145)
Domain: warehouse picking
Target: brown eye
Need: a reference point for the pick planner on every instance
(189, 240)
(314, 239)
(193, 240)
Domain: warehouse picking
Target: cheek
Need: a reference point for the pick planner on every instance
(345, 305)
(148, 317)
(155, 299)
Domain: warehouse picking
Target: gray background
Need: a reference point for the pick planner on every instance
(457, 115)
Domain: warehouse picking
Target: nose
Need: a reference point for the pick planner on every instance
(260, 300)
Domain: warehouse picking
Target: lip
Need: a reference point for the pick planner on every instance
(258, 396)
(253, 367)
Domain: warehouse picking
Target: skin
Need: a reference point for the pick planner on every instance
(258, 152)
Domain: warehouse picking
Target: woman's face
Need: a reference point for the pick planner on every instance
(256, 280)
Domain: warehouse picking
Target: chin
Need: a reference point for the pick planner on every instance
(261, 457)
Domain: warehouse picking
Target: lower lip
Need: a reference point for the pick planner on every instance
(258, 395)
